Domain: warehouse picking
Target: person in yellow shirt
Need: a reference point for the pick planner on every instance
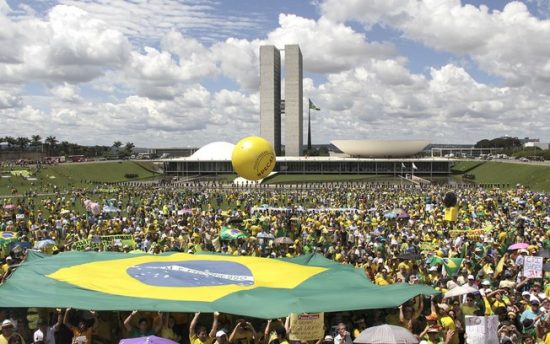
(382, 277)
(199, 335)
(447, 322)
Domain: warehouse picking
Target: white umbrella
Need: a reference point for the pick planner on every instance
(386, 334)
(461, 290)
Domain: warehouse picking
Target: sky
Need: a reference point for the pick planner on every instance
(183, 73)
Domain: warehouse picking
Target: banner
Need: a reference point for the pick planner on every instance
(532, 267)
(472, 234)
(482, 330)
(307, 326)
(101, 242)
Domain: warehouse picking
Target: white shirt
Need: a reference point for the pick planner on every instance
(49, 339)
(347, 340)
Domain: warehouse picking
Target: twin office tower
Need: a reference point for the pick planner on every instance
(272, 104)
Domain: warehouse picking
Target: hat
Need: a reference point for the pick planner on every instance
(221, 333)
(433, 268)
(38, 336)
(7, 323)
(443, 306)
(8, 258)
(523, 251)
(486, 282)
(534, 301)
(471, 277)
(328, 338)
(525, 293)
(431, 317)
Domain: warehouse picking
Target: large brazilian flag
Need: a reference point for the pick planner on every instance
(177, 282)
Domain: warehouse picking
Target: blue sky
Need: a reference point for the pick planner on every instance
(166, 73)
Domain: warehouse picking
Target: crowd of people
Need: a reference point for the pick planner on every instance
(395, 233)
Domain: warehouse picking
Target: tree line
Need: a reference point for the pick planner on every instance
(51, 146)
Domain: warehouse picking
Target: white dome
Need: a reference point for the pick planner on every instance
(214, 151)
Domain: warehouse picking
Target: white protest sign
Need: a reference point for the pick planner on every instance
(19, 216)
(307, 326)
(482, 330)
(532, 267)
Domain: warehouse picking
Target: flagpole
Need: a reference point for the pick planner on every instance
(309, 126)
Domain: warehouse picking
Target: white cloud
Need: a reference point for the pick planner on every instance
(505, 43)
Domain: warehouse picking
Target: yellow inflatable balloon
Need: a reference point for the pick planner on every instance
(253, 158)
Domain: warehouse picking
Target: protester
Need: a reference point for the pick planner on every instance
(395, 233)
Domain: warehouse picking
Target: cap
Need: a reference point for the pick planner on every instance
(523, 251)
(525, 293)
(221, 333)
(534, 301)
(329, 338)
(443, 306)
(433, 268)
(471, 277)
(7, 323)
(38, 336)
(486, 282)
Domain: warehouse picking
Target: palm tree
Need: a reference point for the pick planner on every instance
(36, 141)
(10, 141)
(22, 142)
(64, 147)
(51, 141)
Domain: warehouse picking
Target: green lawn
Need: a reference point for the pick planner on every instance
(300, 178)
(465, 166)
(535, 177)
(75, 175)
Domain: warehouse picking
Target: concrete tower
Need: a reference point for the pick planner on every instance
(270, 95)
(294, 132)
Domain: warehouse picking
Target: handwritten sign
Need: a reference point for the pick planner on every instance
(307, 326)
(482, 330)
(532, 267)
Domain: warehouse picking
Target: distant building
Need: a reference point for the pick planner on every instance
(538, 144)
(272, 104)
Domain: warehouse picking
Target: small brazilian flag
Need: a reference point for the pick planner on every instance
(451, 265)
(231, 234)
(178, 282)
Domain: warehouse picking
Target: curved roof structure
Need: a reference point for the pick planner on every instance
(214, 151)
(381, 148)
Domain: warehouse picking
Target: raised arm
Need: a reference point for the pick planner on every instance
(287, 324)
(66, 318)
(128, 319)
(401, 315)
(214, 329)
(59, 320)
(159, 322)
(266, 332)
(193, 324)
(418, 311)
(96, 321)
(234, 332)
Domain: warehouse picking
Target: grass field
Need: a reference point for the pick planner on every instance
(465, 166)
(533, 176)
(76, 175)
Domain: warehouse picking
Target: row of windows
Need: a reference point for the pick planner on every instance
(336, 167)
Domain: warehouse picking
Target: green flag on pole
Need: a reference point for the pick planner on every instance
(313, 106)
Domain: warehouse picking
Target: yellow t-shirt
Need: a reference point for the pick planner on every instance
(449, 324)
(194, 339)
(168, 333)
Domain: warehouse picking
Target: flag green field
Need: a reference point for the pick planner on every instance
(250, 286)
